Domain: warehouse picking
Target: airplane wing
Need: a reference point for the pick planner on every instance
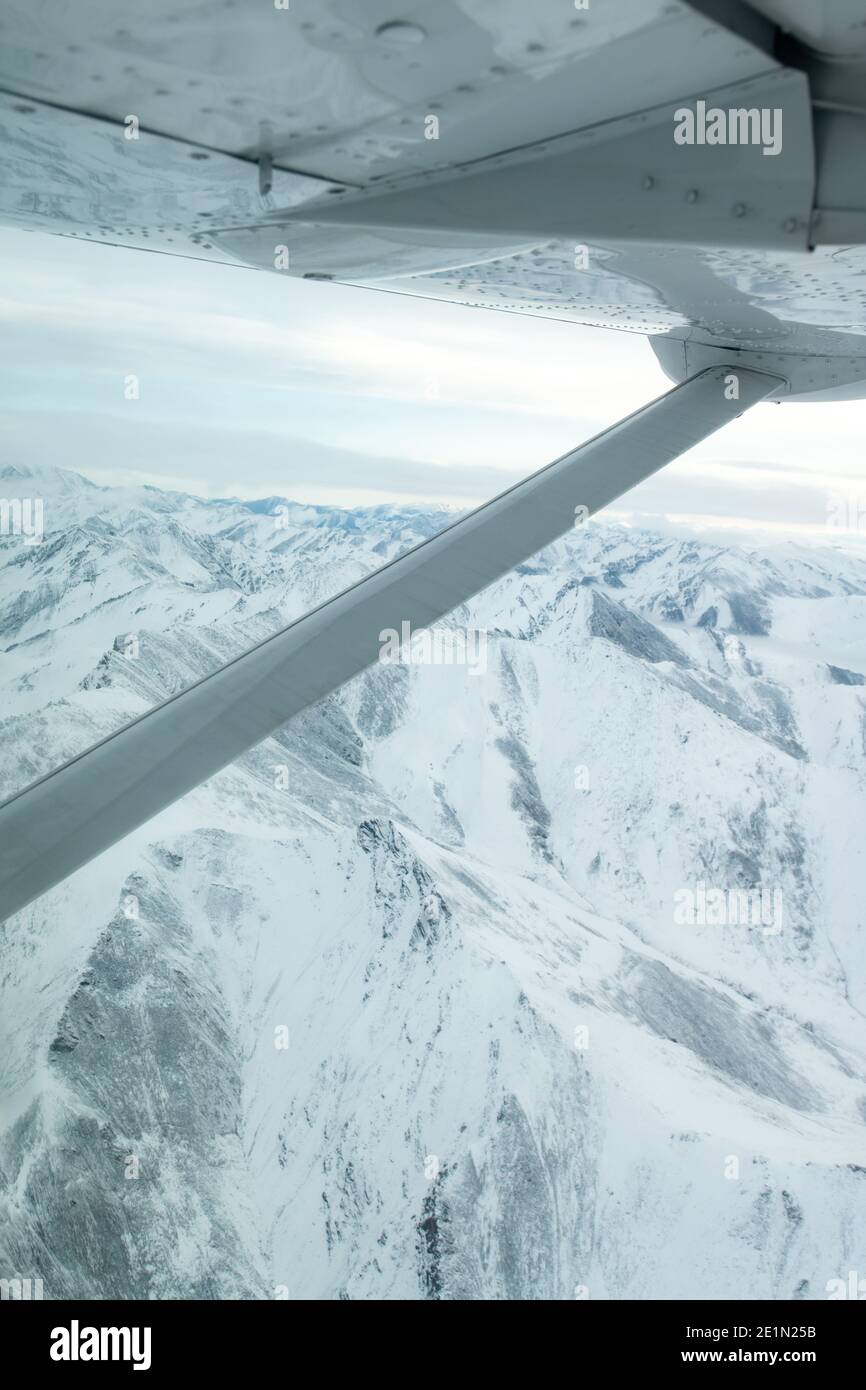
(688, 171)
(490, 152)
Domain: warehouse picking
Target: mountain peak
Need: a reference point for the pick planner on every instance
(46, 475)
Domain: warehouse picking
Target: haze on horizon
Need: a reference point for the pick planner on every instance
(250, 385)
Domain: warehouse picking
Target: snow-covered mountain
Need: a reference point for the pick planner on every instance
(403, 1004)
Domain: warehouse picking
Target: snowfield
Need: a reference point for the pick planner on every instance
(398, 1006)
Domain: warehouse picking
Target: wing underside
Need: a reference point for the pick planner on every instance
(487, 152)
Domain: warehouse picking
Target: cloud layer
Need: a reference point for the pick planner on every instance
(221, 380)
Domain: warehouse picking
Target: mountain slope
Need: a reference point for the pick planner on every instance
(400, 1005)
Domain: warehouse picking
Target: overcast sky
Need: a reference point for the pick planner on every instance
(255, 384)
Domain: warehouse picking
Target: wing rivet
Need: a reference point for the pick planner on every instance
(648, 181)
(692, 195)
(399, 32)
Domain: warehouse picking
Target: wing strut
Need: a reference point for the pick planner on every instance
(59, 823)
